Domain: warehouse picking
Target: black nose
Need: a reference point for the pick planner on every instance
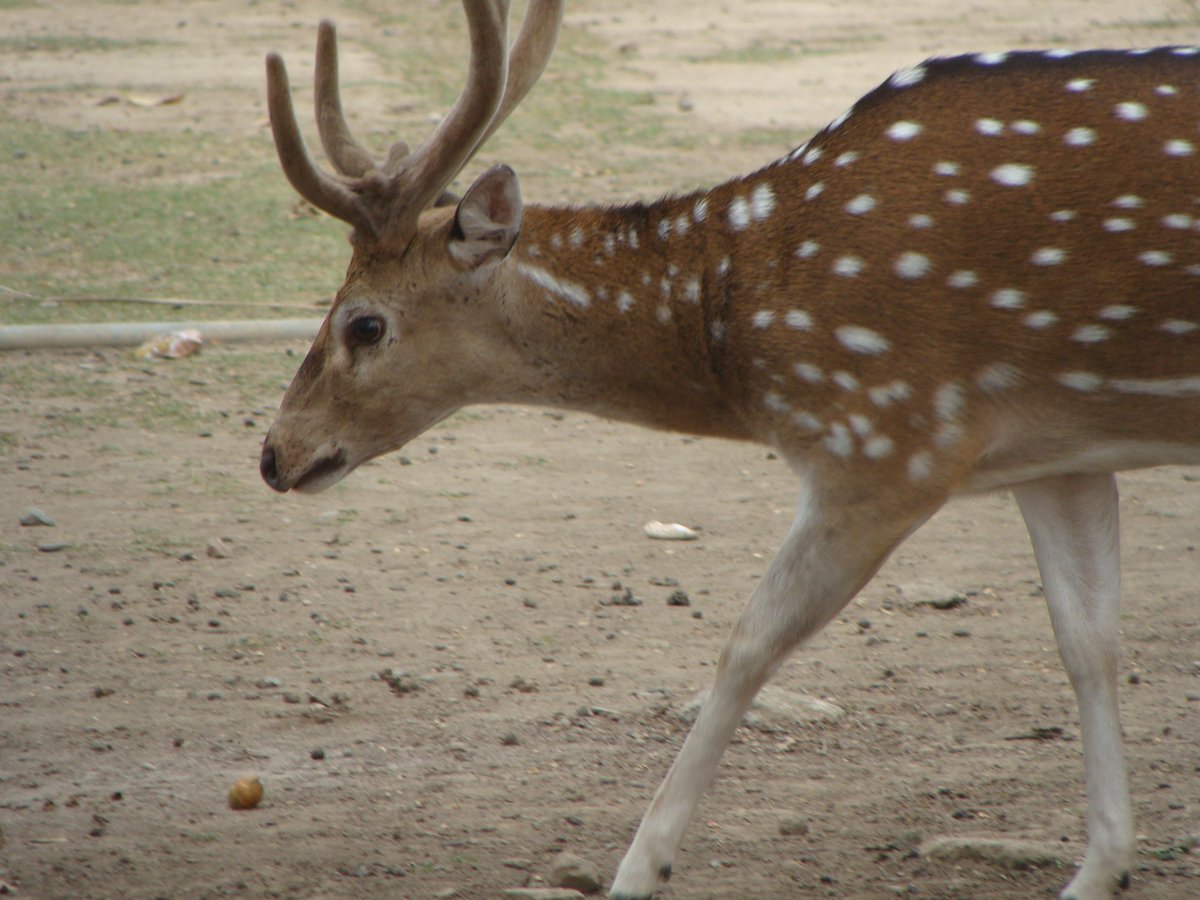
(266, 468)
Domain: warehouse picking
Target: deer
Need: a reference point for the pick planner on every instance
(984, 276)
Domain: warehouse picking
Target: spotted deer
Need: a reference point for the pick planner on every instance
(985, 275)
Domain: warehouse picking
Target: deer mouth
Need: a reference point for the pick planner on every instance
(317, 477)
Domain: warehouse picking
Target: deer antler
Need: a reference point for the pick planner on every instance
(382, 198)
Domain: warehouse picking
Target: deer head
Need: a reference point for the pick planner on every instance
(403, 324)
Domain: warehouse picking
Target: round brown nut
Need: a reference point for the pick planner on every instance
(246, 793)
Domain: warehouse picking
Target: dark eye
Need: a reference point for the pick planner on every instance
(366, 329)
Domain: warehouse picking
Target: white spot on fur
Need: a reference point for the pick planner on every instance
(775, 402)
(1179, 147)
(957, 197)
(1008, 298)
(904, 131)
(991, 59)
(723, 266)
(839, 441)
(763, 318)
(1048, 256)
(947, 169)
(989, 127)
(1117, 225)
(1129, 201)
(884, 395)
(849, 266)
(1155, 258)
(559, 287)
(845, 381)
(858, 339)
(1013, 174)
(908, 77)
(1157, 387)
(1079, 85)
(878, 446)
(920, 466)
(664, 229)
(798, 319)
(949, 400)
(624, 301)
(806, 421)
(808, 372)
(739, 214)
(1080, 137)
(814, 191)
(807, 250)
(1063, 215)
(1131, 112)
(920, 220)
(963, 279)
(1178, 221)
(1040, 319)
(846, 159)
(1091, 334)
(1026, 127)
(860, 205)
(1117, 312)
(1178, 326)
(996, 377)
(860, 424)
(1080, 381)
(762, 201)
(700, 210)
(911, 265)
(691, 290)
(663, 313)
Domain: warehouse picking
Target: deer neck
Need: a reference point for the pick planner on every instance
(619, 312)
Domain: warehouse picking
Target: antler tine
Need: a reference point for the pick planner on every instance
(317, 187)
(431, 166)
(347, 155)
(527, 59)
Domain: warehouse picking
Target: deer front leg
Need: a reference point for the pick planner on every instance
(828, 555)
(1072, 522)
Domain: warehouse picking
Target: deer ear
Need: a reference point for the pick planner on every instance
(488, 219)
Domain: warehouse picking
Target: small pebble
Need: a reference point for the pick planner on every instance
(34, 517)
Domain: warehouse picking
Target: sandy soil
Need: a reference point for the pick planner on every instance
(193, 627)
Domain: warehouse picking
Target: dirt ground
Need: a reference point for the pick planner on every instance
(424, 665)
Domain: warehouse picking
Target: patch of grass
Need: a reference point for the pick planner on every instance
(107, 214)
(153, 540)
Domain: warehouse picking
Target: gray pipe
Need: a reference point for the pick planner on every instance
(115, 334)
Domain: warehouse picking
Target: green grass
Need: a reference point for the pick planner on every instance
(109, 214)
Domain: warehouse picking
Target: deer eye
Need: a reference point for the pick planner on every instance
(366, 329)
